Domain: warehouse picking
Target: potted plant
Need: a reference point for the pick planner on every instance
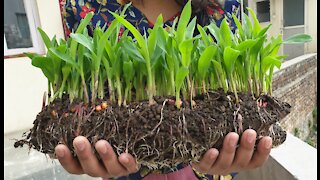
(170, 96)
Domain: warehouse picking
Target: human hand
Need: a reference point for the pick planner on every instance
(113, 166)
(233, 159)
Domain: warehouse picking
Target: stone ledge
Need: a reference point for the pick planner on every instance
(294, 159)
(296, 60)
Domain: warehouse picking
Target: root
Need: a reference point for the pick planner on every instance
(127, 135)
(161, 116)
(44, 100)
(237, 121)
(38, 137)
(184, 124)
(166, 140)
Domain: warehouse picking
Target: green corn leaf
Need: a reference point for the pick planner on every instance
(258, 45)
(172, 28)
(204, 35)
(117, 68)
(256, 24)
(152, 39)
(96, 36)
(66, 71)
(186, 49)
(128, 70)
(239, 26)
(275, 50)
(132, 51)
(170, 57)
(230, 56)
(83, 24)
(45, 38)
(218, 67)
(205, 59)
(156, 55)
(281, 57)
(247, 26)
(133, 30)
(102, 42)
(268, 61)
(264, 30)
(81, 51)
(220, 71)
(183, 22)
(180, 77)
(159, 22)
(125, 33)
(30, 55)
(298, 38)
(65, 57)
(246, 44)
(106, 64)
(125, 8)
(54, 41)
(84, 40)
(45, 64)
(226, 34)
(272, 47)
(190, 28)
(110, 51)
(215, 31)
(57, 62)
(162, 35)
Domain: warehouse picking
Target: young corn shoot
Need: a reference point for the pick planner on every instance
(144, 51)
(204, 64)
(170, 61)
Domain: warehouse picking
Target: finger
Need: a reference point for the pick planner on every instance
(245, 151)
(110, 159)
(128, 162)
(226, 155)
(207, 161)
(67, 161)
(87, 158)
(262, 153)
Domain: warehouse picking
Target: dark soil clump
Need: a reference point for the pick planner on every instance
(160, 135)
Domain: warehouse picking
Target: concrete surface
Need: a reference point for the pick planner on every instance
(20, 164)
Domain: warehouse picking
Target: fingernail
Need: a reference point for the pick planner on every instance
(59, 153)
(80, 146)
(268, 144)
(233, 142)
(126, 160)
(250, 139)
(212, 155)
(104, 149)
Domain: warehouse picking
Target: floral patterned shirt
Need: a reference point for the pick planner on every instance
(72, 11)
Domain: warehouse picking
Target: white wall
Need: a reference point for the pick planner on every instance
(311, 24)
(24, 84)
(50, 18)
(276, 13)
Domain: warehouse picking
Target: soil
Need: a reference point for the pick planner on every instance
(159, 135)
